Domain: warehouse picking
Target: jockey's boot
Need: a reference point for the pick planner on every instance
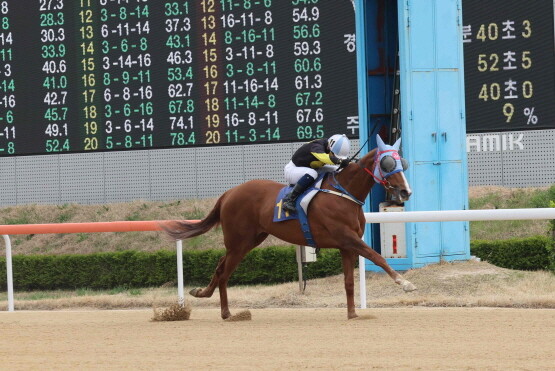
(289, 201)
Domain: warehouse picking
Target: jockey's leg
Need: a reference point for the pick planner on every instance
(301, 186)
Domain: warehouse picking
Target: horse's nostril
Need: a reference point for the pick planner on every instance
(405, 194)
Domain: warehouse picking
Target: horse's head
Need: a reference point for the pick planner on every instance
(388, 169)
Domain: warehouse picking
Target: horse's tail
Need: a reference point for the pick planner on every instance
(182, 229)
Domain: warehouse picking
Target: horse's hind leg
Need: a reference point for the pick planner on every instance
(209, 290)
(348, 260)
(226, 266)
(237, 247)
(214, 282)
(232, 261)
(235, 253)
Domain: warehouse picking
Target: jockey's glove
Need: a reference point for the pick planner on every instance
(344, 163)
(334, 159)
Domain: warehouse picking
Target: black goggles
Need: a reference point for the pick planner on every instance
(388, 164)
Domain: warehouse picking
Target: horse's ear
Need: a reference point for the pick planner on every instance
(397, 144)
(381, 144)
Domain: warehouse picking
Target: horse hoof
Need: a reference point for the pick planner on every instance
(195, 292)
(226, 316)
(408, 286)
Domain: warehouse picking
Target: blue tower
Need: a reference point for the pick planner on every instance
(419, 95)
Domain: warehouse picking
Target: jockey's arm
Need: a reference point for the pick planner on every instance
(326, 158)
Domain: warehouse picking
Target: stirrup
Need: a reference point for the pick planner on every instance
(287, 206)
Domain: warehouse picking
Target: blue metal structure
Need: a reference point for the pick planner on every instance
(429, 37)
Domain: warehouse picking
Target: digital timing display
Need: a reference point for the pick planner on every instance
(105, 75)
(509, 58)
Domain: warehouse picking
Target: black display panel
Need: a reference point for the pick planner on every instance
(509, 59)
(106, 75)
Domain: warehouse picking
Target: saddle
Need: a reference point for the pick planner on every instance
(304, 200)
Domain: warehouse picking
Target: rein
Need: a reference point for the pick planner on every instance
(344, 195)
(360, 149)
(383, 181)
(342, 191)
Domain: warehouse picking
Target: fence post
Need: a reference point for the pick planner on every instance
(180, 294)
(9, 272)
(362, 281)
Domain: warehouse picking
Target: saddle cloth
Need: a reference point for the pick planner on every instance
(302, 203)
(304, 199)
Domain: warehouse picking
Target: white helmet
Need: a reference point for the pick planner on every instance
(340, 145)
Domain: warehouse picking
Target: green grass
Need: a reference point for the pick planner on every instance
(133, 217)
(42, 295)
(135, 292)
(170, 204)
(86, 292)
(63, 218)
(194, 214)
(82, 237)
(520, 198)
(20, 219)
(117, 290)
(64, 294)
(103, 210)
(515, 199)
(505, 229)
(195, 242)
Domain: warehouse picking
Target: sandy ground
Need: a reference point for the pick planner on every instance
(399, 338)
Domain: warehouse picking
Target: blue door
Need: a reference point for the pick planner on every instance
(434, 132)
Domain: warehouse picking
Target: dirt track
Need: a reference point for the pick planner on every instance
(404, 338)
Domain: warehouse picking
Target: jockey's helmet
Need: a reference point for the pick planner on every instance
(340, 145)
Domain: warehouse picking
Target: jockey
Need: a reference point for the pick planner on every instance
(309, 160)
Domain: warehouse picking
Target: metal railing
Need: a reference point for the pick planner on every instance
(447, 216)
(128, 226)
(383, 217)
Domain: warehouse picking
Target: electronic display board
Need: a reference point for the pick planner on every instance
(106, 75)
(509, 58)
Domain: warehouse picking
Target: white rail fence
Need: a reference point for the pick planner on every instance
(398, 217)
(9, 272)
(460, 215)
(447, 216)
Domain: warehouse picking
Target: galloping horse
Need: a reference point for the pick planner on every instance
(246, 213)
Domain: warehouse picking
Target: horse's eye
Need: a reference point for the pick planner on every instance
(388, 164)
(405, 164)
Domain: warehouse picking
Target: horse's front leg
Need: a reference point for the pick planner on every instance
(362, 249)
(348, 261)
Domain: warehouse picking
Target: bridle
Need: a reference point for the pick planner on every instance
(383, 181)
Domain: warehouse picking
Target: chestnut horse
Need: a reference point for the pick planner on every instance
(246, 212)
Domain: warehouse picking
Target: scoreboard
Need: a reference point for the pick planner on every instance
(108, 75)
(509, 52)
